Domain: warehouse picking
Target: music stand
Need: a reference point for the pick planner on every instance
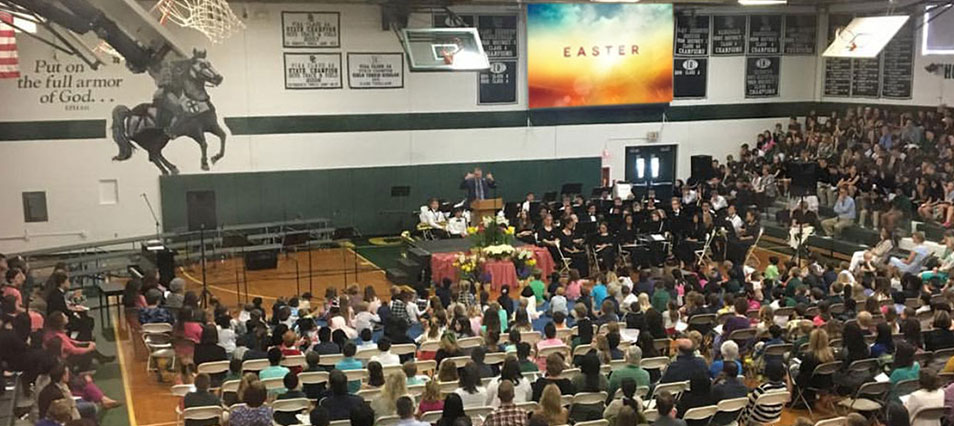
(571, 189)
(534, 209)
(586, 228)
(550, 197)
(598, 192)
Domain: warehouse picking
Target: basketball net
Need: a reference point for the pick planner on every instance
(214, 18)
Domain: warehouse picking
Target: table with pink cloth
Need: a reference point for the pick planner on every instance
(500, 271)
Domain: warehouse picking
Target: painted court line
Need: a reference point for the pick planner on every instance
(130, 410)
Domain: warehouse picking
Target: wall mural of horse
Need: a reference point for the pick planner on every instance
(180, 107)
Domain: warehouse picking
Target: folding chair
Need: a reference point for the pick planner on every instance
(470, 342)
(837, 308)
(426, 365)
(203, 413)
(562, 350)
(296, 405)
(869, 397)
(213, 367)
(701, 413)
(600, 422)
(662, 345)
(822, 370)
(254, 365)
(729, 409)
(944, 354)
(563, 333)
(674, 388)
(527, 406)
(494, 358)
(570, 373)
(905, 387)
(274, 384)
(309, 378)
(365, 354)
(387, 421)
(354, 375)
(159, 346)
(404, 349)
(773, 399)
(343, 422)
(867, 366)
(582, 350)
(292, 361)
(429, 417)
(530, 337)
(478, 412)
(932, 414)
(458, 361)
(429, 347)
(448, 387)
(329, 360)
(369, 394)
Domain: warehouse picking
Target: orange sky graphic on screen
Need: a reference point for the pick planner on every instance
(599, 54)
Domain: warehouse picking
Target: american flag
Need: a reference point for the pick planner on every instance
(9, 67)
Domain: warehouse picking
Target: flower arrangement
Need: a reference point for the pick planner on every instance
(524, 261)
(493, 231)
(498, 251)
(467, 266)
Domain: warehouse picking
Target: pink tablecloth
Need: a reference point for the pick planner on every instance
(442, 266)
(544, 260)
(501, 272)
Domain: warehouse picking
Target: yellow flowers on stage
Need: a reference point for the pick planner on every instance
(511, 230)
(471, 230)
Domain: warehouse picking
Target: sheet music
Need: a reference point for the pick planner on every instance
(882, 378)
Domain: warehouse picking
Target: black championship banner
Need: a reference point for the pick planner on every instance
(375, 70)
(692, 35)
(765, 35)
(689, 78)
(498, 34)
(311, 29)
(498, 85)
(866, 77)
(837, 70)
(312, 70)
(728, 35)
(898, 69)
(761, 76)
(799, 36)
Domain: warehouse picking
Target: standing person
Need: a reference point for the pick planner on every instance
(477, 185)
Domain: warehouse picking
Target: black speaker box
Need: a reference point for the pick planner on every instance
(804, 177)
(261, 259)
(701, 168)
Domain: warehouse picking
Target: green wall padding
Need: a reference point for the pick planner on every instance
(361, 197)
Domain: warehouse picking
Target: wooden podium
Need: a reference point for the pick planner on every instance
(481, 208)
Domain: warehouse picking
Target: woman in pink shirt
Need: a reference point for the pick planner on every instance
(551, 340)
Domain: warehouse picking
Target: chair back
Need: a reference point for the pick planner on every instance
(837, 308)
(390, 369)
(233, 385)
(530, 337)
(874, 390)
(213, 367)
(700, 413)
(600, 422)
(366, 354)
(458, 361)
(662, 345)
(291, 361)
(732, 405)
(582, 350)
(494, 358)
(773, 398)
(527, 406)
(562, 350)
(425, 365)
(827, 368)
(570, 373)
(312, 377)
(563, 333)
(703, 319)
(864, 365)
(743, 335)
(786, 311)
(182, 390)
(905, 387)
(341, 423)
(655, 363)
(157, 328)
(330, 360)
(586, 398)
(387, 421)
(944, 354)
(369, 394)
(404, 349)
(354, 375)
(470, 342)
(675, 388)
(928, 414)
(779, 349)
(478, 412)
(274, 383)
(203, 413)
(448, 387)
(254, 365)
(295, 405)
(430, 346)
(431, 416)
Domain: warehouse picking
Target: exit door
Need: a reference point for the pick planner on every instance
(651, 167)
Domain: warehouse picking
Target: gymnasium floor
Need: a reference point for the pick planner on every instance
(150, 403)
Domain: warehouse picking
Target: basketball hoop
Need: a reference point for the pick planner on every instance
(214, 18)
(852, 41)
(107, 50)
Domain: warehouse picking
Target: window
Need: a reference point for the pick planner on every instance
(937, 33)
(34, 207)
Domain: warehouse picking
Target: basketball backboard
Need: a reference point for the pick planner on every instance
(865, 37)
(444, 49)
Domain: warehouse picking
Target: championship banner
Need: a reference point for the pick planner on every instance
(312, 70)
(599, 54)
(311, 29)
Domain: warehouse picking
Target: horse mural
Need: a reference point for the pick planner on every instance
(180, 107)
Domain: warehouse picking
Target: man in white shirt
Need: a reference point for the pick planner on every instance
(717, 201)
(525, 206)
(385, 357)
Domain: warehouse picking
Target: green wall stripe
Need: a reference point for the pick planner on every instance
(344, 123)
(52, 130)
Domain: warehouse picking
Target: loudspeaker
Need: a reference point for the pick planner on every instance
(166, 264)
(200, 210)
(261, 259)
(701, 168)
(804, 177)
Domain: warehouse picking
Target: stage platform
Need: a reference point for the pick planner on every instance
(451, 245)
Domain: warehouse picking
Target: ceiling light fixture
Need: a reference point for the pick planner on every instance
(762, 2)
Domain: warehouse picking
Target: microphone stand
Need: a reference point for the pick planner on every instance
(153, 213)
